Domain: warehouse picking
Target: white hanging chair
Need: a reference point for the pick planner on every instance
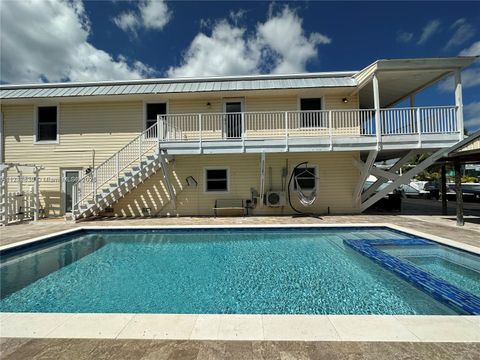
(304, 198)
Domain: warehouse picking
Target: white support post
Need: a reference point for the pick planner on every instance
(405, 178)
(459, 103)
(412, 113)
(158, 134)
(396, 167)
(262, 178)
(36, 198)
(286, 131)
(419, 127)
(200, 133)
(5, 195)
(243, 130)
(376, 102)
(364, 173)
(330, 129)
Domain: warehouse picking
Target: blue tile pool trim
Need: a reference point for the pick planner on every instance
(434, 286)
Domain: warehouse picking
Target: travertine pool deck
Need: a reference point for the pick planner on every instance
(255, 336)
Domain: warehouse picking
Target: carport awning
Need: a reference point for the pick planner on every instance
(401, 77)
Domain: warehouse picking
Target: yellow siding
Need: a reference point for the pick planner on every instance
(90, 132)
(337, 180)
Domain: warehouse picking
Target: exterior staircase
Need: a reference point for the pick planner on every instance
(118, 175)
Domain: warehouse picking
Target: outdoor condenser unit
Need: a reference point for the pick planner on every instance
(276, 198)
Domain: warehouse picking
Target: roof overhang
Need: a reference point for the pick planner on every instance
(399, 78)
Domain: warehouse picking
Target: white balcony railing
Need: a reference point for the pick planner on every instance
(324, 123)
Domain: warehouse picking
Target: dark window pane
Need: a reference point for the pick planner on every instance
(47, 123)
(217, 185)
(311, 104)
(155, 109)
(217, 180)
(220, 174)
(305, 178)
(47, 132)
(233, 107)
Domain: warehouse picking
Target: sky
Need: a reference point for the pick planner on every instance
(55, 40)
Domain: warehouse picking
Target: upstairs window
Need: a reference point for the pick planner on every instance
(216, 180)
(47, 123)
(153, 110)
(311, 117)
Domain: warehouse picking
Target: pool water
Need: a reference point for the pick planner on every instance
(458, 267)
(230, 271)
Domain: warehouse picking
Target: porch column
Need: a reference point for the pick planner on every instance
(458, 191)
(36, 198)
(376, 104)
(459, 103)
(413, 119)
(444, 190)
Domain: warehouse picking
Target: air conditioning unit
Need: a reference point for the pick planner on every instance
(276, 198)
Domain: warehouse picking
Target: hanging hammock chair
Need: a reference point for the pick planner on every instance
(306, 197)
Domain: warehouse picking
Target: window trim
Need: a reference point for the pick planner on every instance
(35, 125)
(322, 105)
(292, 186)
(227, 168)
(146, 102)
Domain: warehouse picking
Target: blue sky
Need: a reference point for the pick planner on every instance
(93, 40)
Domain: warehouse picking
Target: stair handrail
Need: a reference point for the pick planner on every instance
(147, 137)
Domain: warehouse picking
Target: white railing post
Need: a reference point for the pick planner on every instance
(117, 167)
(419, 127)
(286, 130)
(330, 129)
(200, 132)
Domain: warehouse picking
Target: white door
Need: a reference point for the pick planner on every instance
(69, 178)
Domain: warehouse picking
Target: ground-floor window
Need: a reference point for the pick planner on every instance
(216, 180)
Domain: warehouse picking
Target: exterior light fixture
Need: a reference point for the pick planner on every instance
(345, 100)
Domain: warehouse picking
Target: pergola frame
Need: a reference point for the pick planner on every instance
(21, 169)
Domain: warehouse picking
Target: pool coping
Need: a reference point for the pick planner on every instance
(413, 328)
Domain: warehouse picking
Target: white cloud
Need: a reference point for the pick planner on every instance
(470, 78)
(463, 32)
(473, 50)
(278, 45)
(428, 31)
(472, 116)
(150, 14)
(48, 41)
(404, 37)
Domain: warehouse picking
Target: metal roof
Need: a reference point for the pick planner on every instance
(183, 85)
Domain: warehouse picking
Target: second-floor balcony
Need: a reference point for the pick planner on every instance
(392, 128)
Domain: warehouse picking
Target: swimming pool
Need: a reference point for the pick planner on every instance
(211, 271)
